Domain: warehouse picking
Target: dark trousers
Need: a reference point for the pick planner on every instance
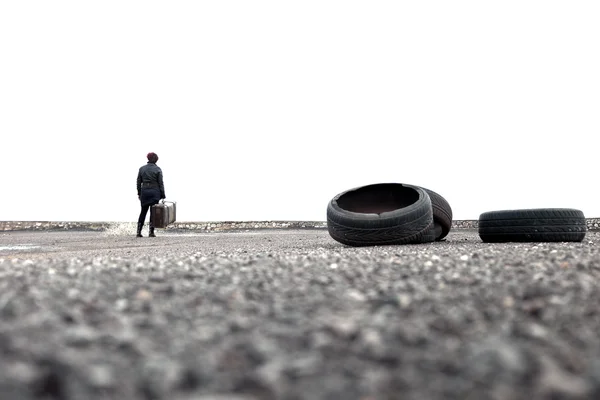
(148, 198)
(143, 214)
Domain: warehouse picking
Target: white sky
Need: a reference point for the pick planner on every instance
(265, 110)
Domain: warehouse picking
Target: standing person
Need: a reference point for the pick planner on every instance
(150, 189)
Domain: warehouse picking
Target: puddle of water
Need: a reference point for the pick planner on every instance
(20, 247)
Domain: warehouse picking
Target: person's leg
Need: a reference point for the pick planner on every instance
(141, 219)
(151, 234)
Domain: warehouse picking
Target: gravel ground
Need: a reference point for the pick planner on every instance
(295, 315)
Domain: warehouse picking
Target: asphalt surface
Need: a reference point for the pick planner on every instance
(295, 315)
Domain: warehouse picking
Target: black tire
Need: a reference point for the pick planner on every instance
(380, 214)
(429, 235)
(442, 214)
(533, 225)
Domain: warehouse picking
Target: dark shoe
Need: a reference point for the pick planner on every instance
(151, 232)
(139, 230)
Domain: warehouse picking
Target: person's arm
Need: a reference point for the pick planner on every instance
(139, 183)
(161, 185)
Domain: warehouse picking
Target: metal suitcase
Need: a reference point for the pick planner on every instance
(163, 213)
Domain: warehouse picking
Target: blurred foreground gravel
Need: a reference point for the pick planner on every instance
(295, 315)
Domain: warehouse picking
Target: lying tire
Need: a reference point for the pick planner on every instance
(429, 235)
(380, 214)
(442, 214)
(532, 225)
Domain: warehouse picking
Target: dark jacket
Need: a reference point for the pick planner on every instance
(150, 177)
